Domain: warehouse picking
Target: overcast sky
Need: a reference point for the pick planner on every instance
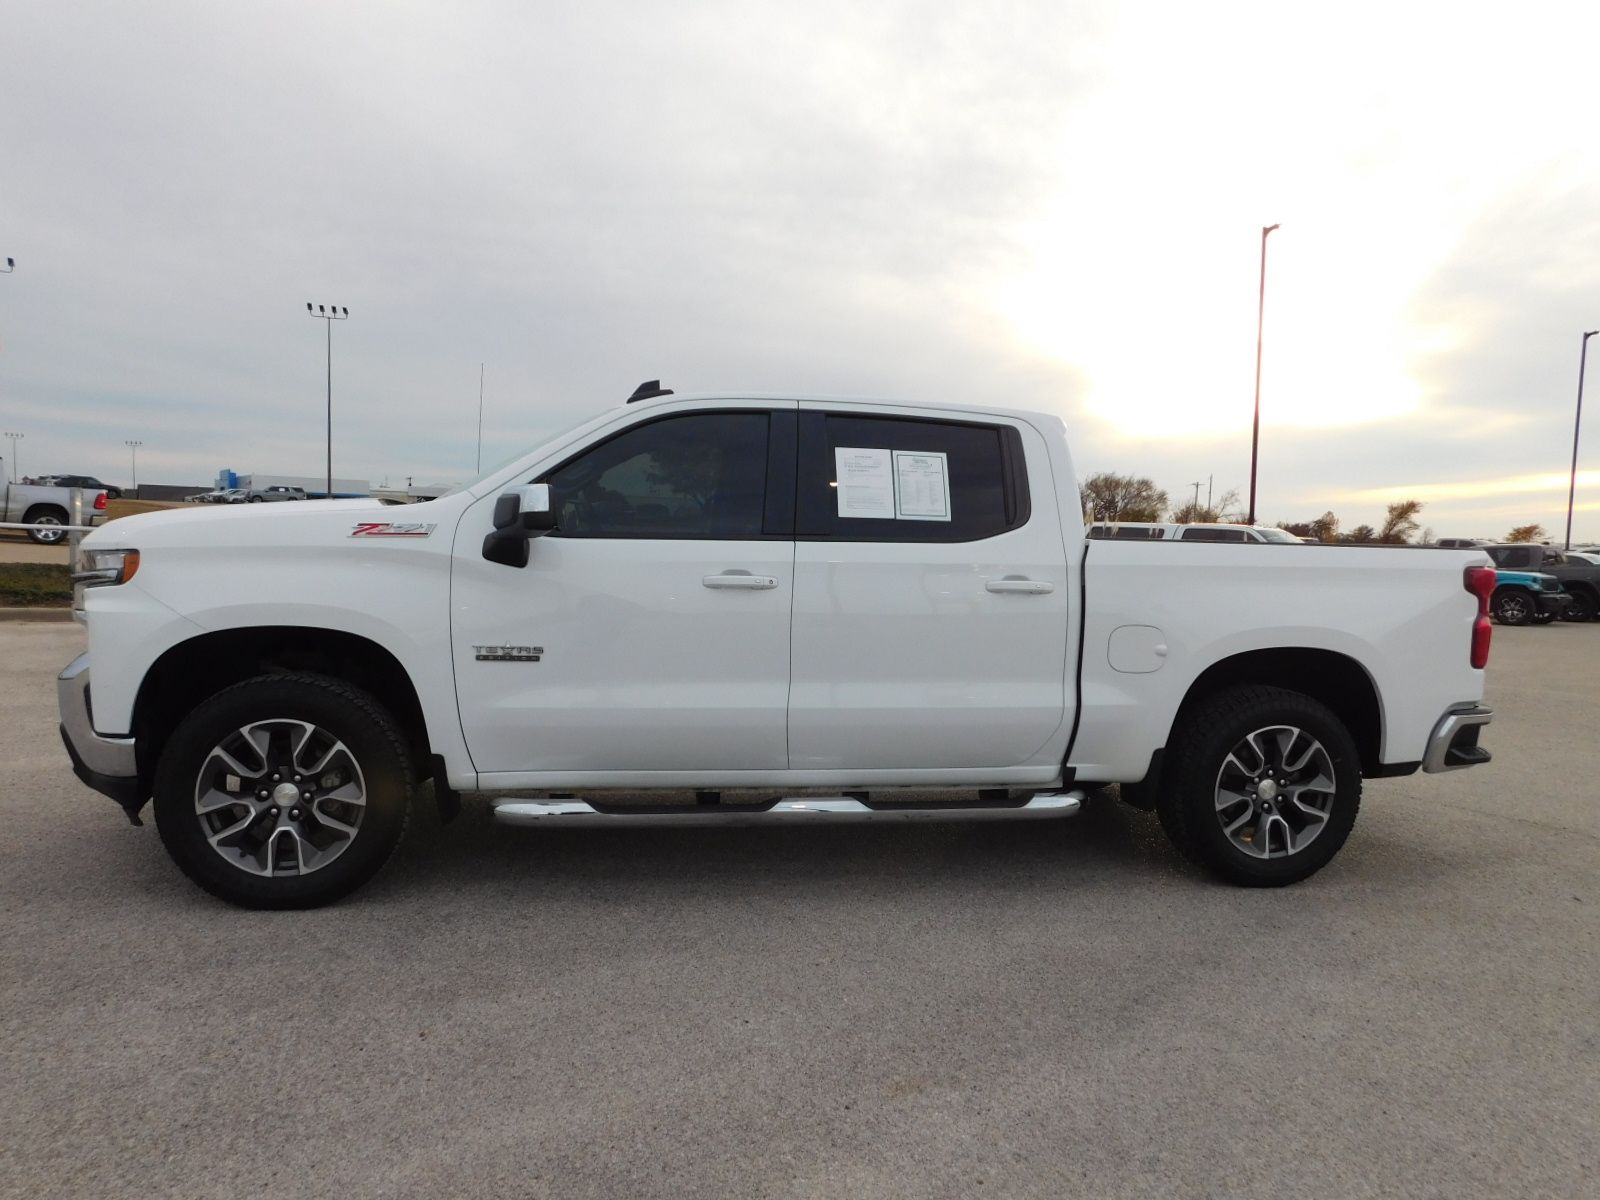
(1036, 204)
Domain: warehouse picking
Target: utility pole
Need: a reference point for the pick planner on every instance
(133, 449)
(1577, 424)
(1195, 507)
(1209, 478)
(1255, 427)
(480, 420)
(330, 314)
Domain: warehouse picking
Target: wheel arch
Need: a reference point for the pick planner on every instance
(188, 673)
(1327, 676)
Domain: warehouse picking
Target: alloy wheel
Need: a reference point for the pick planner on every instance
(280, 797)
(1275, 791)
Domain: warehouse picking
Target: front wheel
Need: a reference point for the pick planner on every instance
(1512, 606)
(1582, 608)
(285, 791)
(1261, 787)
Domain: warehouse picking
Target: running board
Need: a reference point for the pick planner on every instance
(809, 811)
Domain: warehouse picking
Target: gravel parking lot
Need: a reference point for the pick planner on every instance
(1060, 1010)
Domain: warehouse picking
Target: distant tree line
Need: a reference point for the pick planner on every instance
(1108, 496)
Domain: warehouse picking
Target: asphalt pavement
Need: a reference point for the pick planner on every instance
(1033, 1010)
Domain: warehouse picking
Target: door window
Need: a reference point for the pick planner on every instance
(893, 479)
(1516, 557)
(697, 476)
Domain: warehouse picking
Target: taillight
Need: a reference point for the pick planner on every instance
(100, 502)
(1480, 582)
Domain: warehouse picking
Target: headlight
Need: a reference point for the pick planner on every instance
(106, 568)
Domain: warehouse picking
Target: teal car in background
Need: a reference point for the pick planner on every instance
(1527, 598)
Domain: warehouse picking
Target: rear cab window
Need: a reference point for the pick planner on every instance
(903, 479)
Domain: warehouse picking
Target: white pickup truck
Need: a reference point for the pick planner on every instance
(47, 508)
(751, 609)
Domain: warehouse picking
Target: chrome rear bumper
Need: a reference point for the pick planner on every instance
(1454, 742)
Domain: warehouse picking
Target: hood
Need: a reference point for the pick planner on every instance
(252, 524)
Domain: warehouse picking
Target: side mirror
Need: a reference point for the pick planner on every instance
(519, 515)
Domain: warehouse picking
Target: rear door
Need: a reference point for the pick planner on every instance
(930, 595)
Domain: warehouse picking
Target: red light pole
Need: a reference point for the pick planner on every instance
(1255, 427)
(1577, 424)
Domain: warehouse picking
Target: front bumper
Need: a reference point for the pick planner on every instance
(1454, 741)
(108, 765)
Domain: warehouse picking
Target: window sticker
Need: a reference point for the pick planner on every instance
(864, 483)
(921, 485)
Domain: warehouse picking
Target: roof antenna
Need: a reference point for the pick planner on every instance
(649, 390)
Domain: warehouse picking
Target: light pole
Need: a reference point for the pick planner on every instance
(1577, 424)
(133, 449)
(330, 314)
(1255, 427)
(16, 471)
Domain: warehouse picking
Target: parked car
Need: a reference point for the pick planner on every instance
(46, 507)
(81, 481)
(844, 604)
(1528, 598)
(1580, 579)
(1588, 556)
(275, 492)
(1141, 531)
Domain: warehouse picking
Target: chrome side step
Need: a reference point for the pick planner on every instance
(808, 811)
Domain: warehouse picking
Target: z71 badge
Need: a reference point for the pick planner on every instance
(390, 529)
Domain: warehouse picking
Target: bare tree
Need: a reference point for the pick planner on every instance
(1107, 496)
(1527, 533)
(1401, 522)
(1209, 514)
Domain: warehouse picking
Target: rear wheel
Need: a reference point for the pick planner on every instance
(1512, 606)
(1262, 786)
(285, 791)
(52, 522)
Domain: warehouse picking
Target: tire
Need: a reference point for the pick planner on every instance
(1263, 838)
(1512, 606)
(261, 847)
(1582, 608)
(46, 514)
(258, 499)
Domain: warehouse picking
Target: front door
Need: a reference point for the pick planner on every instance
(650, 631)
(931, 604)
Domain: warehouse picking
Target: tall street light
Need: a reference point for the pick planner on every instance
(330, 314)
(1577, 424)
(16, 471)
(1255, 427)
(133, 449)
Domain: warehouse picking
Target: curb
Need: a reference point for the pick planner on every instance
(35, 614)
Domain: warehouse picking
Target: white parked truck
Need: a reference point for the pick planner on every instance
(47, 508)
(753, 609)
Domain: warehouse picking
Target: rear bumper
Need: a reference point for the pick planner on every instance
(1454, 741)
(107, 764)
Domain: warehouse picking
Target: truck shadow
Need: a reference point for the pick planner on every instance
(1106, 839)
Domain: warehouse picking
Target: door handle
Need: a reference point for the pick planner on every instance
(1017, 583)
(742, 580)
